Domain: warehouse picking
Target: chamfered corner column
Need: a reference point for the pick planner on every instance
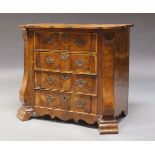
(27, 87)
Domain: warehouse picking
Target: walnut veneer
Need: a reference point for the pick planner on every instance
(78, 72)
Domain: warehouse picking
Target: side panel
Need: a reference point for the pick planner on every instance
(122, 72)
(27, 88)
(100, 73)
(108, 73)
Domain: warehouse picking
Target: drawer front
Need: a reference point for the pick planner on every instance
(47, 80)
(83, 42)
(65, 101)
(52, 40)
(83, 63)
(47, 40)
(47, 60)
(53, 81)
(66, 82)
(53, 100)
(52, 61)
(47, 99)
(80, 103)
(66, 41)
(84, 84)
(60, 61)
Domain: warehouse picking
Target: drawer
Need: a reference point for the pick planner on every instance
(52, 61)
(52, 40)
(66, 82)
(66, 41)
(83, 63)
(84, 103)
(84, 84)
(47, 40)
(53, 99)
(47, 60)
(53, 81)
(47, 99)
(80, 103)
(47, 80)
(83, 42)
(65, 101)
(63, 61)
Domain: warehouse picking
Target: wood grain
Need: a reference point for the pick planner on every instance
(108, 126)
(77, 26)
(25, 113)
(122, 72)
(27, 87)
(75, 71)
(66, 115)
(108, 73)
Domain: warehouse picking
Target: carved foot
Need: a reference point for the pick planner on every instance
(25, 113)
(108, 126)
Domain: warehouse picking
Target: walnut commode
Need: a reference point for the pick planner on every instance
(78, 72)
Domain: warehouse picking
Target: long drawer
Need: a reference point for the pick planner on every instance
(65, 61)
(66, 41)
(85, 84)
(66, 101)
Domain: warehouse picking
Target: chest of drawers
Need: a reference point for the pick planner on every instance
(76, 72)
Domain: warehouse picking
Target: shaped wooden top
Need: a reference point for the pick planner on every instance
(77, 26)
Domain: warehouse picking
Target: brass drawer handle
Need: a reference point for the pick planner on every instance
(80, 83)
(64, 56)
(80, 42)
(80, 102)
(79, 62)
(49, 60)
(50, 40)
(64, 98)
(51, 80)
(64, 76)
(50, 98)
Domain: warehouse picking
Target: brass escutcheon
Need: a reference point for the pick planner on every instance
(50, 98)
(50, 40)
(49, 60)
(64, 76)
(80, 42)
(64, 56)
(80, 83)
(50, 80)
(80, 102)
(64, 98)
(79, 62)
